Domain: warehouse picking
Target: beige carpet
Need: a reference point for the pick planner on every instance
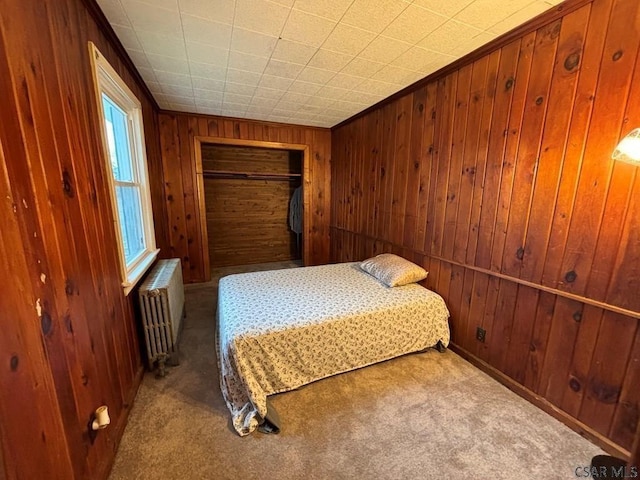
(421, 416)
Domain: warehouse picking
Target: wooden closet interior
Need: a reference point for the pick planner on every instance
(247, 193)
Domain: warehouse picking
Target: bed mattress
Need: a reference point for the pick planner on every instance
(279, 330)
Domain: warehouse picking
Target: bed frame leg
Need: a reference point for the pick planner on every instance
(440, 347)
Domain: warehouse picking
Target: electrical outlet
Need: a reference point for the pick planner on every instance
(481, 334)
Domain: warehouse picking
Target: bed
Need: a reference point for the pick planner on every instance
(279, 330)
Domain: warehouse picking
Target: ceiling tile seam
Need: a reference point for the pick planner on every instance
(509, 16)
(135, 32)
(337, 22)
(271, 56)
(186, 51)
(226, 73)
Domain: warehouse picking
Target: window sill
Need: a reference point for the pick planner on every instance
(140, 269)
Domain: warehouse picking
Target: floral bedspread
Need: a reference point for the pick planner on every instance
(279, 330)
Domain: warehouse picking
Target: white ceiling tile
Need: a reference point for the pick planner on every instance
(114, 12)
(246, 41)
(168, 64)
(348, 39)
(239, 88)
(306, 28)
(168, 4)
(344, 80)
(127, 37)
(315, 75)
(328, 60)
(448, 8)
(384, 49)
(283, 69)
(377, 87)
(391, 74)
(201, 53)
(207, 70)
(154, 87)
(471, 44)
(216, 10)
(208, 95)
(295, 52)
(236, 98)
(447, 37)
(437, 64)
(139, 58)
(161, 44)
(306, 88)
(520, 17)
(296, 97)
(361, 67)
(247, 62)
(415, 58)
(148, 74)
(485, 13)
(363, 97)
(271, 93)
(264, 103)
(170, 78)
(412, 77)
(374, 16)
(209, 103)
(320, 102)
(331, 9)
(285, 105)
(243, 77)
(233, 111)
(146, 17)
(182, 91)
(207, 84)
(271, 81)
(261, 16)
(200, 30)
(414, 24)
(334, 93)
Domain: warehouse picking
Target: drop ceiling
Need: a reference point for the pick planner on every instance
(307, 62)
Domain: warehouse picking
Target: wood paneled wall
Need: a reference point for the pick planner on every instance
(68, 342)
(497, 177)
(177, 136)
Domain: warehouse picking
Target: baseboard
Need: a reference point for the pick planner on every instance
(587, 432)
(105, 466)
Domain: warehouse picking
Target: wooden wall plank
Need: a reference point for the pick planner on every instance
(72, 330)
(520, 183)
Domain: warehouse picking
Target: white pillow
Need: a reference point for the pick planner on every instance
(392, 270)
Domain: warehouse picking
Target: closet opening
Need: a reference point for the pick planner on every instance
(251, 201)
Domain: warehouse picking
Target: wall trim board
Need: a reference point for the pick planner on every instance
(537, 286)
(306, 194)
(104, 468)
(532, 25)
(575, 425)
(98, 15)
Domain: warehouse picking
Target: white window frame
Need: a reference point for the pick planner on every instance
(107, 81)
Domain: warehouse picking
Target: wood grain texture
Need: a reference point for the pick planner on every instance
(69, 341)
(530, 229)
(185, 236)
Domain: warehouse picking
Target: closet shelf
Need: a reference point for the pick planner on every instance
(250, 175)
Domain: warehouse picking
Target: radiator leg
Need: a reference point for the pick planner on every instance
(162, 372)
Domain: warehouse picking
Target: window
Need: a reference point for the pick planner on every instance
(123, 140)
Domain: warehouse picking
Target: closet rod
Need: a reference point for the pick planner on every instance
(251, 175)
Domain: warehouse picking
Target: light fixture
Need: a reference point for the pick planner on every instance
(628, 150)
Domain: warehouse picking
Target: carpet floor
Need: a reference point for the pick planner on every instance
(426, 415)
